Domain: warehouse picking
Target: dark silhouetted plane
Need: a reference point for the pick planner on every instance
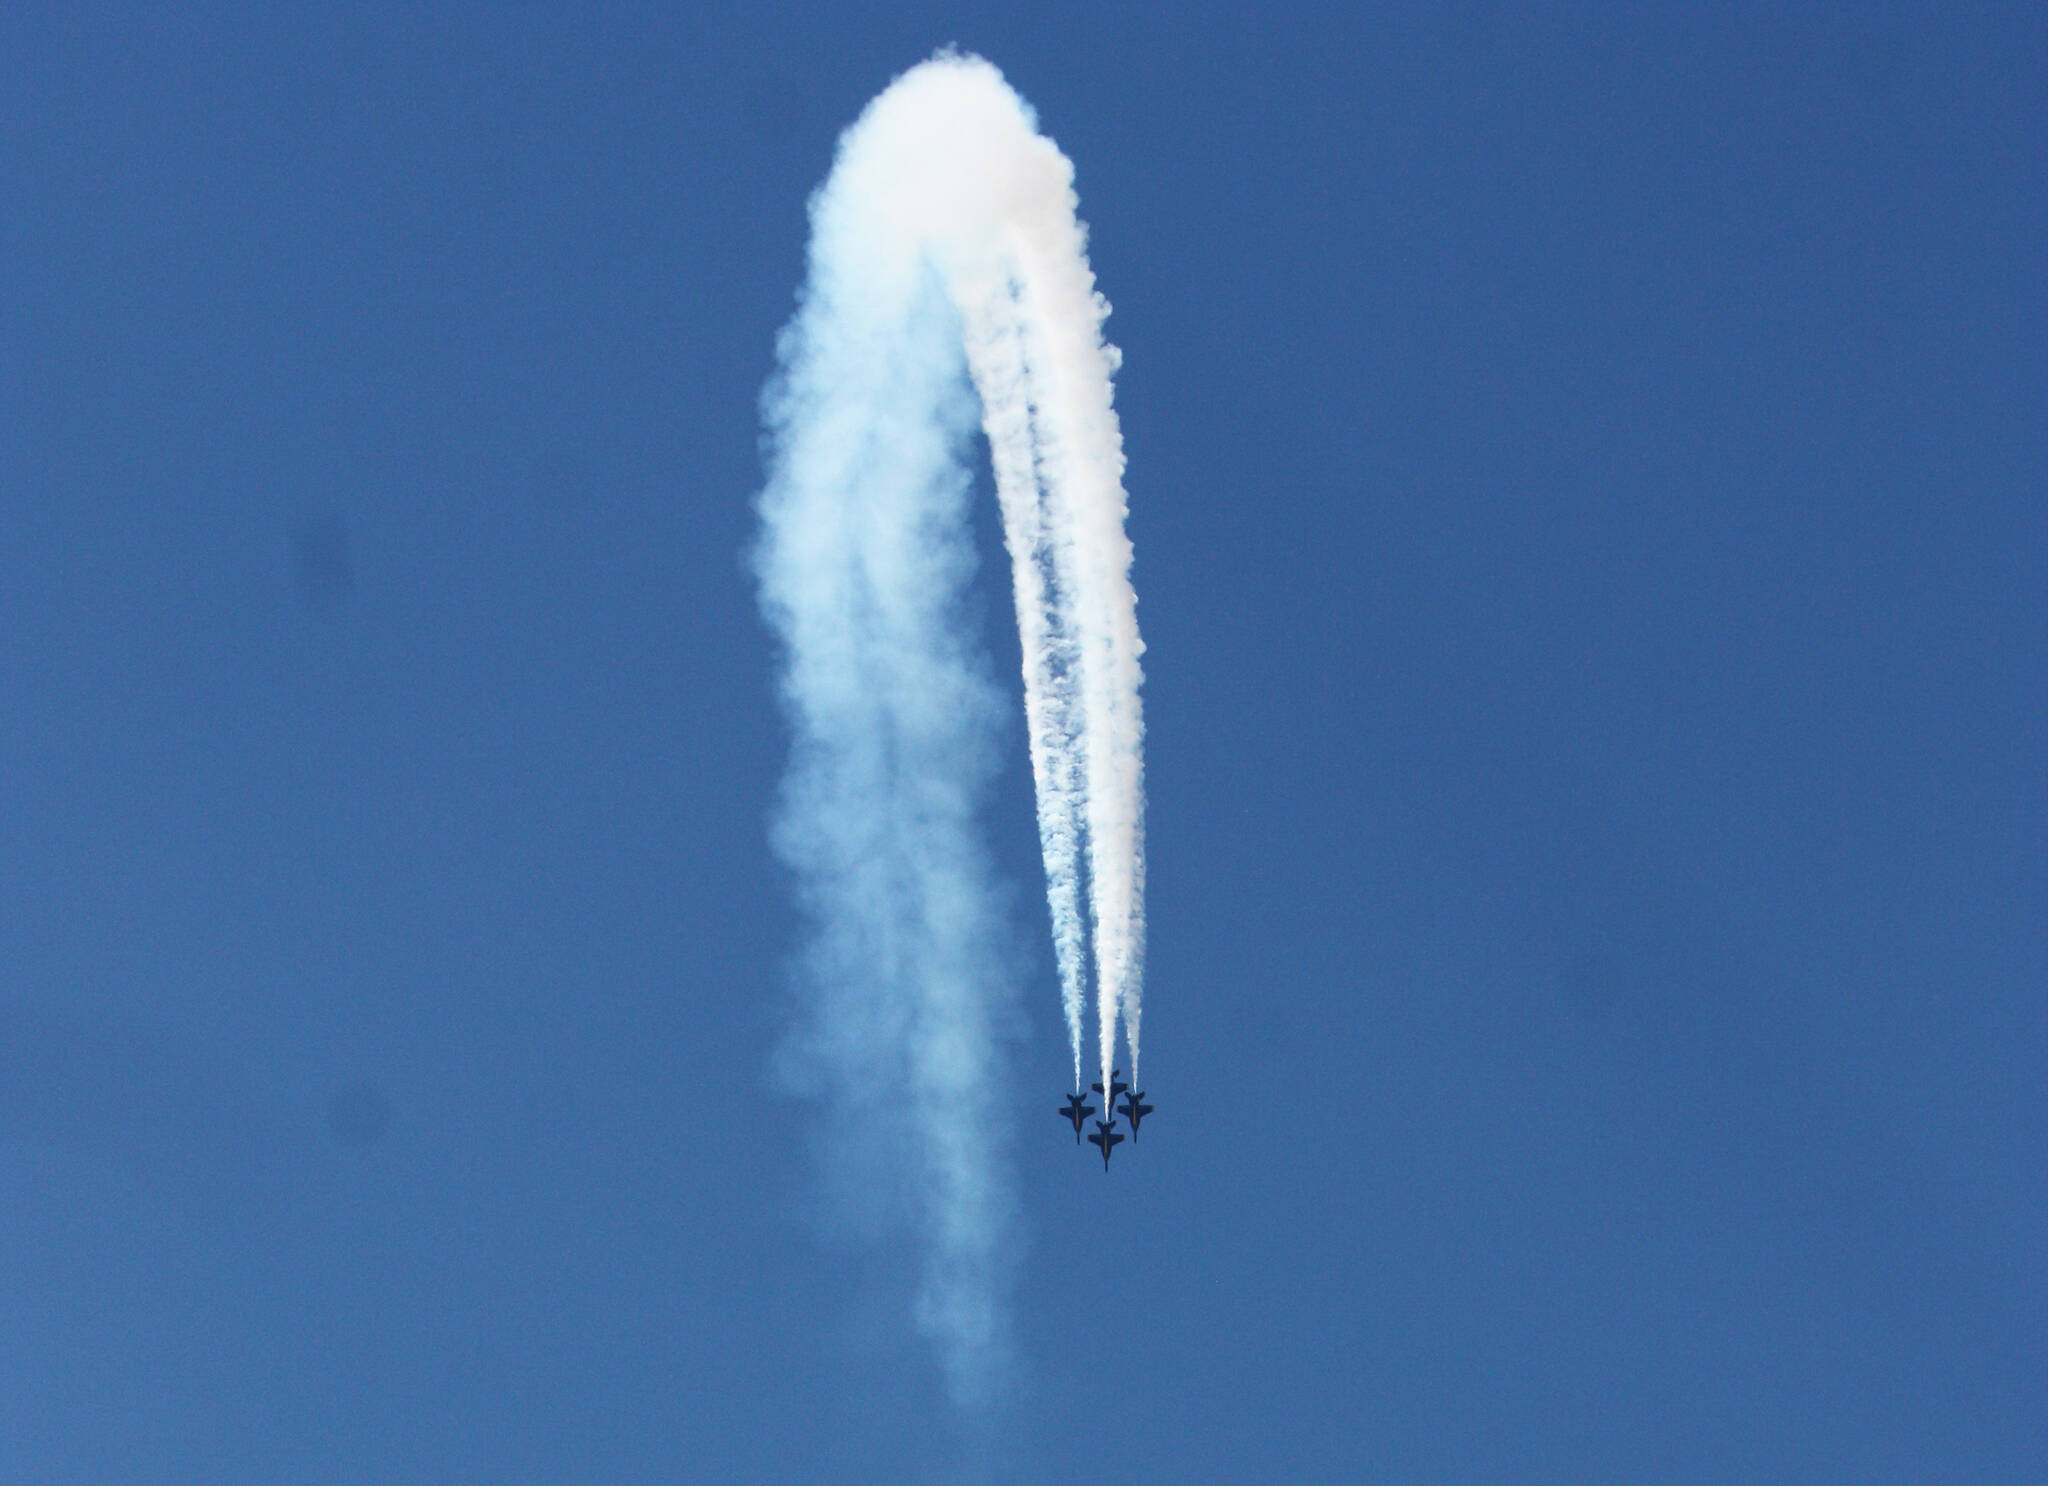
(1116, 1087)
(1103, 1138)
(1134, 1108)
(1077, 1110)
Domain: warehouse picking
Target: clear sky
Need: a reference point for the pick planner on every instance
(1589, 478)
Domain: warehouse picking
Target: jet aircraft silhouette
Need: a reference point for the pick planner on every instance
(1116, 1087)
(1077, 1110)
(1103, 1138)
(1134, 1108)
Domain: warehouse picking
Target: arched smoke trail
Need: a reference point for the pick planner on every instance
(945, 254)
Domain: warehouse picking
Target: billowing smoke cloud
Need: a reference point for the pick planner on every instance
(948, 277)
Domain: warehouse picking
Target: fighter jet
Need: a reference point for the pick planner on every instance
(1134, 1108)
(1077, 1110)
(1103, 1138)
(1116, 1087)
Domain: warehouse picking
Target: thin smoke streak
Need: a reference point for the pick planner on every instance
(1001, 374)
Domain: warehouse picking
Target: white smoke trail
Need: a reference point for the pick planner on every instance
(1080, 469)
(945, 248)
(994, 334)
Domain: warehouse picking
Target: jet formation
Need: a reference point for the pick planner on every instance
(1107, 1137)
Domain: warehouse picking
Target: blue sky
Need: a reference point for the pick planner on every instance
(1590, 492)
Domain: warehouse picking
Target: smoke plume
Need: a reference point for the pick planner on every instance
(949, 282)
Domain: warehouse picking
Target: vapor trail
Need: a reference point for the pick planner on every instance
(946, 263)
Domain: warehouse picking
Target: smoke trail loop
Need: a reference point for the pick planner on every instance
(948, 276)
